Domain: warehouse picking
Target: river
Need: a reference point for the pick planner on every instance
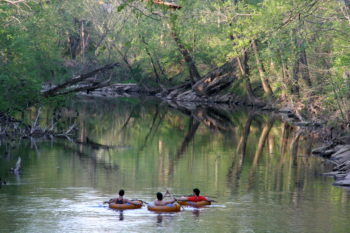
(257, 168)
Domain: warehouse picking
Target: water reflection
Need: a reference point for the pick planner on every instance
(121, 215)
(196, 213)
(164, 219)
(159, 219)
(257, 167)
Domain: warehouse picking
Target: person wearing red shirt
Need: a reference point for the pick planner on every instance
(195, 198)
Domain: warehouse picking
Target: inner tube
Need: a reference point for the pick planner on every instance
(166, 208)
(126, 206)
(195, 204)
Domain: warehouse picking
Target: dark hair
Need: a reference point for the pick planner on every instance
(159, 196)
(196, 191)
(121, 192)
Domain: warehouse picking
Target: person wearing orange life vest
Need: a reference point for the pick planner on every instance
(195, 198)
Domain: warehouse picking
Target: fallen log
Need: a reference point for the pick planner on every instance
(167, 4)
(228, 67)
(213, 85)
(207, 88)
(55, 90)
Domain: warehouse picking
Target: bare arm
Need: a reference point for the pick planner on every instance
(169, 202)
(182, 199)
(132, 202)
(110, 201)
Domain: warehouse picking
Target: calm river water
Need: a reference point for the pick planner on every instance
(257, 168)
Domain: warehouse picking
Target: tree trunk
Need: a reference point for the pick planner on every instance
(305, 73)
(82, 40)
(194, 74)
(162, 70)
(285, 77)
(295, 86)
(73, 45)
(301, 63)
(151, 58)
(125, 59)
(245, 74)
(153, 65)
(264, 81)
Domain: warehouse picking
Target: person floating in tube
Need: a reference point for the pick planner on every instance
(121, 199)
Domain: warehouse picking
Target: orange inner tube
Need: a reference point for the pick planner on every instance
(166, 208)
(195, 204)
(126, 206)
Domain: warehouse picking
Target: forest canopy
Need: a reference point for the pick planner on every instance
(295, 51)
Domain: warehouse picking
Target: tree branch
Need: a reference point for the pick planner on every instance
(13, 2)
(167, 4)
(77, 79)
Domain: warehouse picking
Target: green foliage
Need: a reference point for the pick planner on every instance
(53, 40)
(17, 93)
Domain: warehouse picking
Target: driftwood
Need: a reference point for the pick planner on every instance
(62, 88)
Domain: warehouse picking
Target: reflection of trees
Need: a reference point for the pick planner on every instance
(295, 145)
(211, 116)
(286, 130)
(83, 155)
(262, 141)
(156, 122)
(284, 171)
(128, 119)
(213, 119)
(237, 163)
(192, 129)
(172, 145)
(98, 146)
